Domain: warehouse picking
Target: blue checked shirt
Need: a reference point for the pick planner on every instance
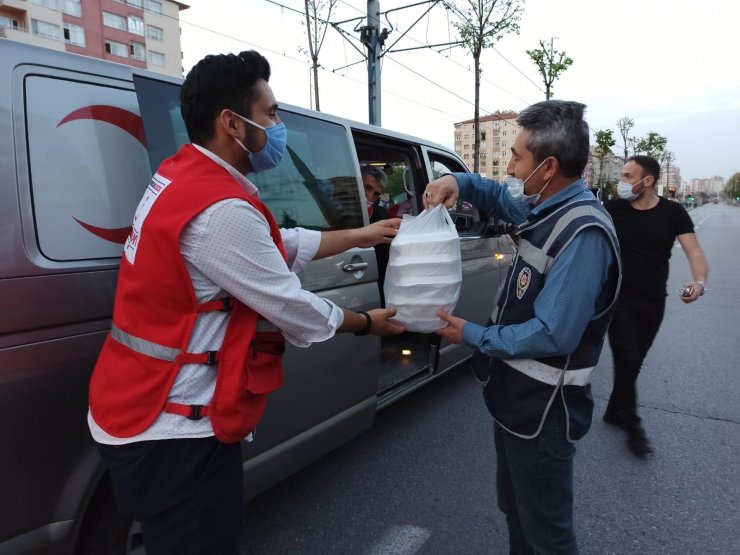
(574, 290)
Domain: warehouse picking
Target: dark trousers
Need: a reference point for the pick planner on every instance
(631, 333)
(534, 486)
(187, 493)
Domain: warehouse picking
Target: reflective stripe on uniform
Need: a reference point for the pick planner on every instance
(550, 374)
(144, 346)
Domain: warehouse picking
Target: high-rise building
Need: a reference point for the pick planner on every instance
(497, 134)
(140, 33)
(669, 181)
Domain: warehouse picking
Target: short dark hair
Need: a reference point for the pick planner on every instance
(649, 165)
(217, 82)
(377, 173)
(558, 129)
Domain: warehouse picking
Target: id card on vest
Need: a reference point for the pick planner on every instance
(153, 190)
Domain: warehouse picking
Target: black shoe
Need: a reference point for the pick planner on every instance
(621, 418)
(638, 442)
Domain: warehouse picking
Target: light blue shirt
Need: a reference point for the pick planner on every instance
(574, 289)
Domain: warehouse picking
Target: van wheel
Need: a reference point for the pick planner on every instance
(105, 531)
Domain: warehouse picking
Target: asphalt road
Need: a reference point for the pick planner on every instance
(422, 480)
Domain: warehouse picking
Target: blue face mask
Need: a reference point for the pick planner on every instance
(270, 156)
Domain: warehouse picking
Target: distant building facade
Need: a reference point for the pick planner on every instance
(670, 181)
(711, 186)
(600, 171)
(498, 131)
(139, 33)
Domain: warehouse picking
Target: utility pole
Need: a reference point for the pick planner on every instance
(373, 39)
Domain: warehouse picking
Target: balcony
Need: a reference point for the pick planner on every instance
(17, 6)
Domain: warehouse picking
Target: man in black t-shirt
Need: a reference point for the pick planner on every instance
(647, 226)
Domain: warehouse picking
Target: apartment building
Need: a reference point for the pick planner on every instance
(711, 186)
(497, 132)
(140, 33)
(669, 184)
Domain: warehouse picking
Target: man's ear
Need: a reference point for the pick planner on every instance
(228, 122)
(552, 167)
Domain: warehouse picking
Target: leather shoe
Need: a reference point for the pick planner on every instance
(638, 442)
(621, 418)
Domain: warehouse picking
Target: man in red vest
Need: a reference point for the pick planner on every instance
(206, 297)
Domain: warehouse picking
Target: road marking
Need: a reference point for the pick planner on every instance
(704, 220)
(400, 540)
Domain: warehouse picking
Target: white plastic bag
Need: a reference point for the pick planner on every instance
(424, 270)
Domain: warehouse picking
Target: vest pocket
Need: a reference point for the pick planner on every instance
(264, 363)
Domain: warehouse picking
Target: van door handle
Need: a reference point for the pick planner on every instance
(355, 267)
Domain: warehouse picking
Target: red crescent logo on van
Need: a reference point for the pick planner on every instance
(131, 124)
(128, 121)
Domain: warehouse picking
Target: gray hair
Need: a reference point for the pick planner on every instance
(558, 129)
(377, 173)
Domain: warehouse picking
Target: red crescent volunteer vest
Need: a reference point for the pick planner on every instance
(155, 311)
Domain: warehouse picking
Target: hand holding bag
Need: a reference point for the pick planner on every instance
(424, 270)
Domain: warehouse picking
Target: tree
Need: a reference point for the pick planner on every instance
(624, 125)
(732, 187)
(316, 26)
(668, 158)
(482, 23)
(652, 145)
(551, 63)
(604, 143)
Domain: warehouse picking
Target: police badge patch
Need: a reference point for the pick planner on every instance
(522, 282)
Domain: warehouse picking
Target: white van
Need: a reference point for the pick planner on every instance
(80, 138)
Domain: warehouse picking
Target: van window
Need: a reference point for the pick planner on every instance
(315, 185)
(466, 217)
(88, 166)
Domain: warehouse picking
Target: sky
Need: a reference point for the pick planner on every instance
(670, 65)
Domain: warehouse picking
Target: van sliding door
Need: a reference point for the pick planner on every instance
(411, 356)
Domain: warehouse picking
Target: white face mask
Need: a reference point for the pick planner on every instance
(624, 190)
(516, 187)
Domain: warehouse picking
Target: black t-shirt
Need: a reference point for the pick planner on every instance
(646, 238)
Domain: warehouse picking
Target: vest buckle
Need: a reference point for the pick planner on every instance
(195, 412)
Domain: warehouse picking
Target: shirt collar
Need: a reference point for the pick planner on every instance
(243, 181)
(570, 191)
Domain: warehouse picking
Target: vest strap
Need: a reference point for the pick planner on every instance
(161, 352)
(209, 357)
(223, 305)
(191, 412)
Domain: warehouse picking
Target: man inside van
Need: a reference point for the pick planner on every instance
(207, 295)
(536, 354)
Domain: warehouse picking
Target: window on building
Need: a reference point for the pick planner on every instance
(51, 4)
(482, 135)
(74, 34)
(153, 6)
(44, 29)
(466, 137)
(9, 22)
(466, 146)
(135, 25)
(114, 21)
(116, 48)
(155, 58)
(137, 3)
(466, 156)
(503, 132)
(154, 33)
(137, 50)
(72, 7)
